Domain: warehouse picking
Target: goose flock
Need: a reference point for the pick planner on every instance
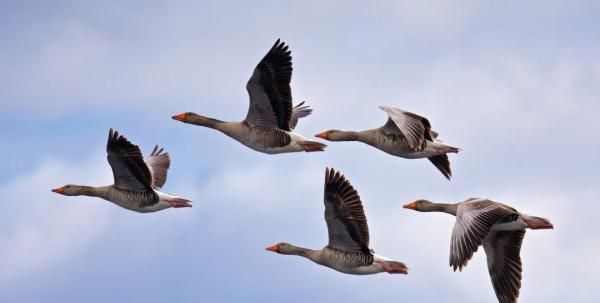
(269, 127)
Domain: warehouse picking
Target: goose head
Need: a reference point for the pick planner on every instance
(69, 190)
(283, 248)
(419, 205)
(185, 117)
(336, 135)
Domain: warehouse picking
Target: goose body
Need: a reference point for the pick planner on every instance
(348, 249)
(398, 145)
(263, 139)
(404, 135)
(137, 180)
(357, 263)
(271, 118)
(497, 227)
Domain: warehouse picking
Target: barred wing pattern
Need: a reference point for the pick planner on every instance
(414, 128)
(128, 166)
(299, 111)
(344, 214)
(158, 163)
(269, 90)
(474, 219)
(503, 249)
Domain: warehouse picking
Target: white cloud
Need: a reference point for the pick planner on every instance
(511, 108)
(292, 211)
(257, 186)
(42, 229)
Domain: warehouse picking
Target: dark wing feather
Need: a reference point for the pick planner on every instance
(344, 214)
(128, 166)
(414, 128)
(158, 163)
(474, 219)
(443, 164)
(299, 111)
(269, 90)
(503, 249)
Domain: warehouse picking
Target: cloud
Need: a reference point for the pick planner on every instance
(422, 240)
(517, 91)
(41, 229)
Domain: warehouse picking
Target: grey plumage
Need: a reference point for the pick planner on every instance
(405, 135)
(503, 250)
(136, 181)
(344, 214)
(271, 117)
(299, 111)
(497, 227)
(129, 169)
(131, 200)
(474, 220)
(331, 256)
(158, 163)
(348, 248)
(442, 163)
(414, 128)
(270, 91)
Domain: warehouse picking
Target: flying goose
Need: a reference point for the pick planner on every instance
(271, 119)
(137, 180)
(499, 228)
(405, 135)
(348, 249)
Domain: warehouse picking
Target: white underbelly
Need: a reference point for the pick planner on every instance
(290, 148)
(361, 270)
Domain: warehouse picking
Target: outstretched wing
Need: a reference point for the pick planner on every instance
(269, 90)
(128, 166)
(344, 214)
(414, 128)
(299, 111)
(158, 163)
(503, 249)
(443, 164)
(474, 219)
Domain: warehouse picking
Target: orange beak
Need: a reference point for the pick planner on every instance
(411, 205)
(322, 135)
(59, 190)
(272, 248)
(179, 117)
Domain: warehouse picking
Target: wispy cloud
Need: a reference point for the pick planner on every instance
(516, 89)
(41, 229)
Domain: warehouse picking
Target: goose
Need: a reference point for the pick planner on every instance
(348, 249)
(137, 180)
(271, 119)
(404, 135)
(499, 228)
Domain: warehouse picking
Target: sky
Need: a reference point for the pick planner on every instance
(515, 85)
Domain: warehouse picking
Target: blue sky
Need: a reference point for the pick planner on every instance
(515, 85)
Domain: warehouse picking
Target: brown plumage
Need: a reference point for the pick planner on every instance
(497, 227)
(348, 248)
(271, 117)
(136, 181)
(344, 213)
(405, 135)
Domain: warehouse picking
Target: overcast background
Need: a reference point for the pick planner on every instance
(515, 85)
